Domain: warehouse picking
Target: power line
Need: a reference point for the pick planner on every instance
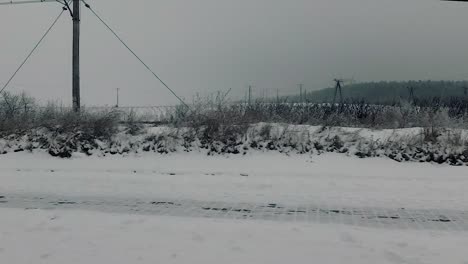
(134, 54)
(32, 51)
(29, 2)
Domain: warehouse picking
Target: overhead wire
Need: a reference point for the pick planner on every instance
(11, 2)
(134, 54)
(31, 53)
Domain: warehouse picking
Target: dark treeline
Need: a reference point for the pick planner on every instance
(390, 93)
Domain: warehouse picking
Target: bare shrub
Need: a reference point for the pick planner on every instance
(101, 125)
(265, 131)
(431, 134)
(20, 114)
(212, 116)
(219, 120)
(133, 123)
(17, 112)
(455, 138)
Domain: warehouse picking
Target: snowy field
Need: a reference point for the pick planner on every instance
(81, 210)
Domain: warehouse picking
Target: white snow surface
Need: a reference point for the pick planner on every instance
(76, 236)
(328, 179)
(73, 237)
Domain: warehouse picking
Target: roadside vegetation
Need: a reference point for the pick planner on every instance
(432, 133)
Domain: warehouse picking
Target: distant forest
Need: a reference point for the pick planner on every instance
(391, 92)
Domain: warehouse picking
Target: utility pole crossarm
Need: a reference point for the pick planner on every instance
(28, 2)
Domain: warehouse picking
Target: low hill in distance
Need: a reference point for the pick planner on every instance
(390, 92)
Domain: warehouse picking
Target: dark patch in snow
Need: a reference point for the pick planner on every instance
(227, 209)
(216, 209)
(63, 202)
(242, 210)
(344, 212)
(388, 217)
(442, 219)
(272, 205)
(297, 211)
(165, 203)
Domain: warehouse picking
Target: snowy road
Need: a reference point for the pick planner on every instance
(319, 189)
(401, 218)
(263, 208)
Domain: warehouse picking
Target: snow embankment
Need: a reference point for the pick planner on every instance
(435, 145)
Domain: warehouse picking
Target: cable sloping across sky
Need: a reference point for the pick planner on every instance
(32, 51)
(30, 2)
(134, 54)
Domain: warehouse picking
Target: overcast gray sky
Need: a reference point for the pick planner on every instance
(209, 45)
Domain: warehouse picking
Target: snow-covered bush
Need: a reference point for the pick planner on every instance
(235, 129)
(355, 114)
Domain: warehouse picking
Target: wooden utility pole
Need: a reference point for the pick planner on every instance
(250, 94)
(74, 10)
(117, 104)
(76, 55)
(300, 92)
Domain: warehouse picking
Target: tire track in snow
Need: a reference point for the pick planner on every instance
(372, 217)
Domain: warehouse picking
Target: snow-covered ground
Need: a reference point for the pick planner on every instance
(79, 235)
(333, 179)
(76, 237)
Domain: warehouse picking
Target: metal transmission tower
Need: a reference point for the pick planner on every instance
(75, 14)
(339, 83)
(338, 89)
(411, 94)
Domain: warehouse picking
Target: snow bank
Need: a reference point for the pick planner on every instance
(412, 144)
